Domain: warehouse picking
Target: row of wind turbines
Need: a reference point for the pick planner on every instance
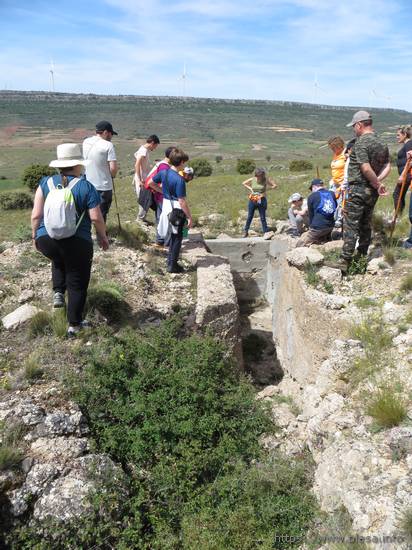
(317, 89)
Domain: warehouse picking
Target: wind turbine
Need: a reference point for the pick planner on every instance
(386, 98)
(183, 79)
(51, 71)
(317, 89)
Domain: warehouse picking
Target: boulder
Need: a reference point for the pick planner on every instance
(300, 257)
(376, 265)
(283, 226)
(330, 275)
(19, 316)
(25, 296)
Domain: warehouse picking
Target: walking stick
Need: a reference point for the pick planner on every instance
(398, 204)
(317, 172)
(115, 202)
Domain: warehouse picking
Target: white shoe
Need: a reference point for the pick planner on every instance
(72, 332)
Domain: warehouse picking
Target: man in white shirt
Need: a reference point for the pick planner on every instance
(142, 169)
(101, 170)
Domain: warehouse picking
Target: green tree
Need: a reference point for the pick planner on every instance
(245, 166)
(33, 174)
(201, 167)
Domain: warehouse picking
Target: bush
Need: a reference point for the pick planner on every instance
(22, 233)
(218, 159)
(15, 201)
(201, 167)
(32, 368)
(358, 265)
(33, 174)
(387, 408)
(406, 283)
(107, 298)
(40, 324)
(300, 165)
(245, 166)
(312, 277)
(9, 457)
(406, 524)
(187, 425)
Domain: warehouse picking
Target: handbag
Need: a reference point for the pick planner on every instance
(177, 217)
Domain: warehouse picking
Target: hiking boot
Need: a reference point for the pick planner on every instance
(341, 264)
(175, 269)
(73, 331)
(58, 299)
(245, 234)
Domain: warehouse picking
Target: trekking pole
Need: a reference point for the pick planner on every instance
(398, 204)
(115, 202)
(317, 172)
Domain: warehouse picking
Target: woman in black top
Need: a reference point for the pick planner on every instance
(403, 135)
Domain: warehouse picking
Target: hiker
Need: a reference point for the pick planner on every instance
(298, 214)
(321, 209)
(141, 167)
(66, 239)
(408, 243)
(175, 204)
(368, 166)
(102, 168)
(257, 186)
(187, 173)
(337, 146)
(403, 136)
(163, 164)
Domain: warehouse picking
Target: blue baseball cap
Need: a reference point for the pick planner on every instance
(316, 181)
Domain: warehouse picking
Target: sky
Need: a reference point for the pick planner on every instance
(316, 51)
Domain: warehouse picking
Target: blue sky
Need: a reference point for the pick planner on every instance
(353, 53)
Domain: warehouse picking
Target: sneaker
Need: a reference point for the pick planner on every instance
(85, 324)
(268, 235)
(245, 234)
(72, 332)
(407, 244)
(58, 299)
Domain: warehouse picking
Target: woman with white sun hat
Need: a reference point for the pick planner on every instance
(65, 206)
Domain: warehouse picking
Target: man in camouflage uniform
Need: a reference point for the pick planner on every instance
(368, 166)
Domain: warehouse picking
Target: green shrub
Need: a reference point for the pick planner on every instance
(108, 299)
(9, 457)
(328, 287)
(312, 277)
(129, 235)
(387, 408)
(201, 167)
(372, 333)
(32, 368)
(245, 166)
(33, 174)
(389, 255)
(300, 165)
(268, 158)
(406, 524)
(15, 200)
(358, 265)
(406, 283)
(365, 302)
(218, 159)
(22, 233)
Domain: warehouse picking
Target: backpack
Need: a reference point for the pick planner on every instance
(327, 204)
(60, 212)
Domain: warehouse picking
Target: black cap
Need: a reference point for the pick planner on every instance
(316, 181)
(104, 125)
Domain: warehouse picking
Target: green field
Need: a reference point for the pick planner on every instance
(272, 133)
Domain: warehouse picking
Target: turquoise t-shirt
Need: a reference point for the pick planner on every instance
(85, 196)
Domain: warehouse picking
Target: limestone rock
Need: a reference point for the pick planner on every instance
(19, 316)
(25, 296)
(36, 481)
(61, 423)
(330, 275)
(392, 313)
(300, 257)
(68, 497)
(399, 440)
(329, 301)
(59, 449)
(283, 226)
(267, 392)
(329, 246)
(376, 265)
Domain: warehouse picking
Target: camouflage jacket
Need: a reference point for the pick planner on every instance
(367, 149)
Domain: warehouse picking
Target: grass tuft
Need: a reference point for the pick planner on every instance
(32, 369)
(40, 324)
(128, 235)
(358, 265)
(389, 255)
(388, 408)
(9, 457)
(406, 524)
(108, 299)
(406, 283)
(312, 278)
(59, 322)
(365, 302)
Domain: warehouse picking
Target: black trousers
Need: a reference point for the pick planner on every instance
(106, 198)
(71, 265)
(175, 244)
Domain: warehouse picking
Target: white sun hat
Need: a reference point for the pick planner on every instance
(68, 154)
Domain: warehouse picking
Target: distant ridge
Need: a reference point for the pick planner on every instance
(15, 95)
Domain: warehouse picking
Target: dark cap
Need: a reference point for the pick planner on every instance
(316, 181)
(104, 125)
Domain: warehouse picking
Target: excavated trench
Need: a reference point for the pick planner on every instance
(256, 266)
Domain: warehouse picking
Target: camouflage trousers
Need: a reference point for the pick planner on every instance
(357, 219)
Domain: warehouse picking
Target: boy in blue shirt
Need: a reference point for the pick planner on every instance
(173, 187)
